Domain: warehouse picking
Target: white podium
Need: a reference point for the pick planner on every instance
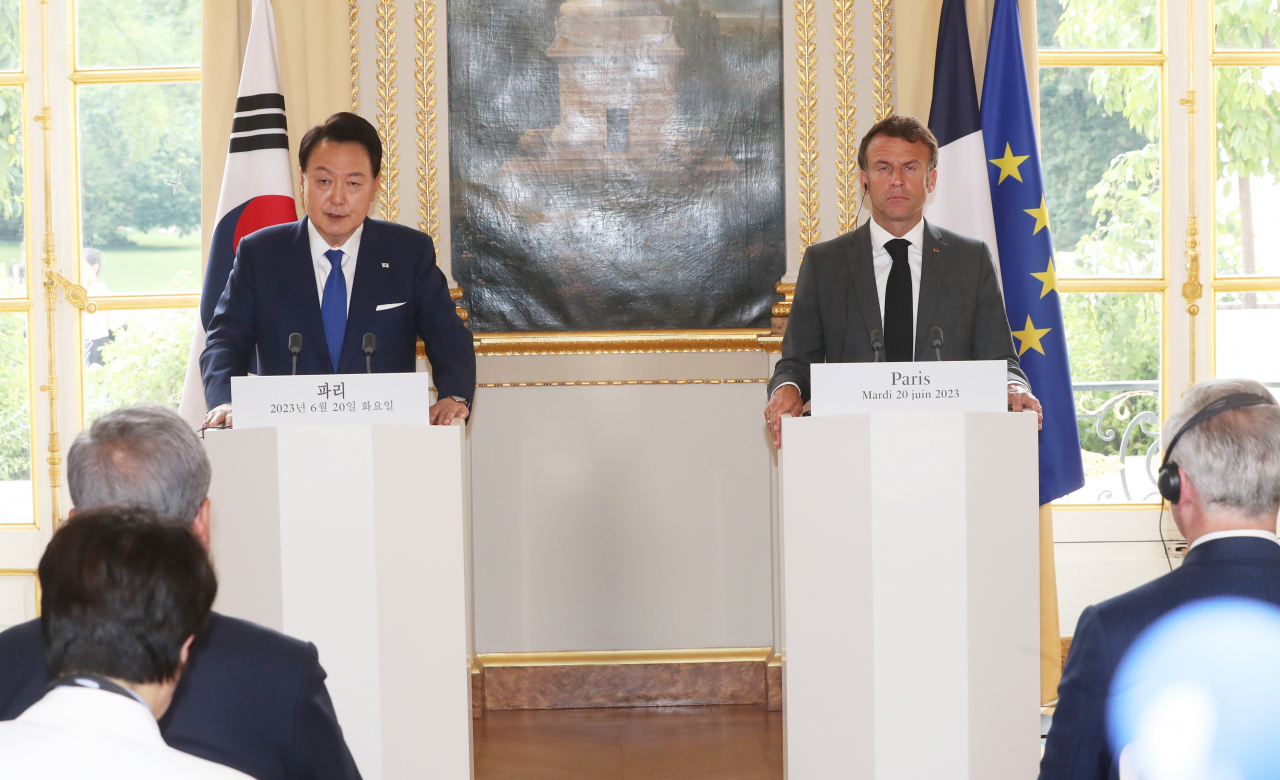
(353, 537)
(911, 596)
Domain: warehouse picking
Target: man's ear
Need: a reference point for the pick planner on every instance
(200, 525)
(71, 513)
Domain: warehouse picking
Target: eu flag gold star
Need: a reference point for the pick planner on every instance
(1030, 337)
(1008, 165)
(1041, 214)
(1049, 278)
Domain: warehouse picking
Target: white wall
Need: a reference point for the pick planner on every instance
(621, 517)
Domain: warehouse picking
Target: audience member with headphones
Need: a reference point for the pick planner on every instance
(1221, 477)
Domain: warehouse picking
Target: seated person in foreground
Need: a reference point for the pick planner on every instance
(1222, 479)
(251, 698)
(898, 277)
(123, 596)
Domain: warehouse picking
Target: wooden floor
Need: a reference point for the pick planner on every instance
(742, 742)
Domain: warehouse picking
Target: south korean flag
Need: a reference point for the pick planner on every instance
(257, 184)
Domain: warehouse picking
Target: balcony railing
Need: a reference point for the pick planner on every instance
(1137, 473)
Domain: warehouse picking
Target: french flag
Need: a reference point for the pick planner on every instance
(962, 199)
(257, 184)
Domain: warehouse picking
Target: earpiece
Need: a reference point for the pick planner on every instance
(1169, 482)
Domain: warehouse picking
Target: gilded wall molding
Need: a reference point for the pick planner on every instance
(388, 111)
(620, 342)
(424, 85)
(629, 657)
(882, 57)
(353, 11)
(846, 117)
(617, 382)
(807, 121)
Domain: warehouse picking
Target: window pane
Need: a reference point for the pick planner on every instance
(1098, 24)
(1246, 24)
(137, 33)
(1245, 325)
(10, 35)
(16, 493)
(1114, 343)
(1248, 196)
(134, 356)
(140, 186)
(1100, 135)
(13, 257)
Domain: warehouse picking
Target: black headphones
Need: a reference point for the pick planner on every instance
(1168, 482)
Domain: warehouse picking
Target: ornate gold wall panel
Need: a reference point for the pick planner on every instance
(846, 116)
(388, 110)
(807, 121)
(354, 11)
(424, 85)
(882, 70)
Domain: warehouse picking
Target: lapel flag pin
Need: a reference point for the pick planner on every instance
(388, 265)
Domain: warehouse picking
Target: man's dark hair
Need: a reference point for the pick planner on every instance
(908, 128)
(343, 127)
(121, 591)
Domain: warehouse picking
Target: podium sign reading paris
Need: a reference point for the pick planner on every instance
(616, 165)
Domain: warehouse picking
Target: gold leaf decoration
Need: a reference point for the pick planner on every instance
(388, 112)
(807, 121)
(882, 57)
(846, 117)
(424, 85)
(353, 11)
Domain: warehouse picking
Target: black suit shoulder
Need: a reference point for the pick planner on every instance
(23, 675)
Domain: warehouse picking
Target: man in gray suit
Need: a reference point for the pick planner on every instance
(919, 275)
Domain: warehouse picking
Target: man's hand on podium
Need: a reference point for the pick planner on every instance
(218, 415)
(1021, 398)
(445, 410)
(785, 400)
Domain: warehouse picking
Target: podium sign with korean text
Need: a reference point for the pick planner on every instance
(331, 399)
(950, 386)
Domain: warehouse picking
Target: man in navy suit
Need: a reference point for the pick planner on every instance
(1224, 500)
(249, 698)
(334, 276)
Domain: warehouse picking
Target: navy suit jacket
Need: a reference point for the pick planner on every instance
(1077, 748)
(250, 699)
(271, 293)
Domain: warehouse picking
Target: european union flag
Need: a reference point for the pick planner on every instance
(1024, 234)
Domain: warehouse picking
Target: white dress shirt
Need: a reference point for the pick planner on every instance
(75, 733)
(1239, 532)
(349, 252)
(882, 263)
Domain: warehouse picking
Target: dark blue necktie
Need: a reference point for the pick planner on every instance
(333, 307)
(899, 341)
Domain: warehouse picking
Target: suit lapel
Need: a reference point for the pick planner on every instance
(867, 298)
(301, 266)
(363, 293)
(933, 263)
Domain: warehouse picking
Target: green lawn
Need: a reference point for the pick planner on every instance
(156, 263)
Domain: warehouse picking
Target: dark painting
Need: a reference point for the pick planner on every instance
(616, 164)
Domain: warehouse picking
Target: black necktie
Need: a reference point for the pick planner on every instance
(898, 337)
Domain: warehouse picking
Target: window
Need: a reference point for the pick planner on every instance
(1246, 261)
(17, 291)
(1103, 87)
(137, 115)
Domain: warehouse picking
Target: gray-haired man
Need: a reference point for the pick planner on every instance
(251, 699)
(1222, 443)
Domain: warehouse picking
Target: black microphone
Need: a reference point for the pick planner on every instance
(295, 346)
(877, 342)
(370, 345)
(935, 338)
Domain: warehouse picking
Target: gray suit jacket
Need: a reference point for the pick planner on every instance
(836, 306)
